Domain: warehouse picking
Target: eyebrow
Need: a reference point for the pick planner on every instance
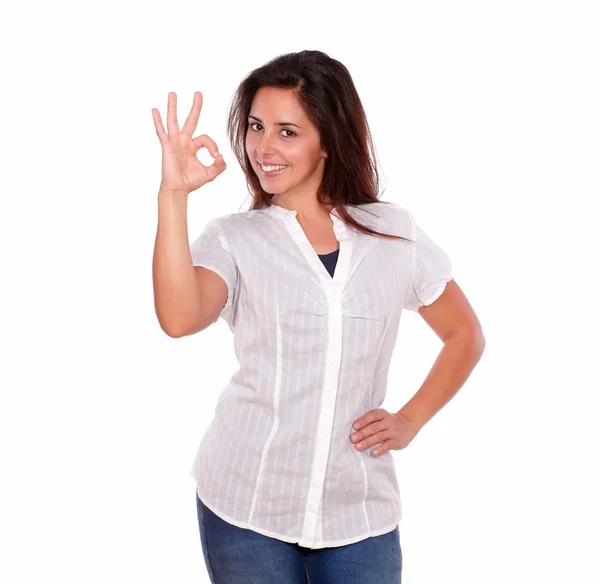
(278, 123)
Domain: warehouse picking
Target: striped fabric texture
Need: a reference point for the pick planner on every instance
(314, 353)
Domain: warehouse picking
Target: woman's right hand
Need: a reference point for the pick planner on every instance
(181, 170)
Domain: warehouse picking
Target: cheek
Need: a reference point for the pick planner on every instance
(306, 153)
(298, 155)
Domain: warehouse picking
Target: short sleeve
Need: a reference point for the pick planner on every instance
(432, 269)
(210, 250)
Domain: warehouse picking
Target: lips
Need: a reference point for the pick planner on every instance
(272, 173)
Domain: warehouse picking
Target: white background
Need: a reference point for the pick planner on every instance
(486, 121)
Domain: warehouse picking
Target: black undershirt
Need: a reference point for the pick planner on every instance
(330, 260)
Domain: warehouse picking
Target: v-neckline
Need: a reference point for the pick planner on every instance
(352, 249)
(331, 283)
(328, 281)
(324, 255)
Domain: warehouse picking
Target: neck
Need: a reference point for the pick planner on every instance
(305, 207)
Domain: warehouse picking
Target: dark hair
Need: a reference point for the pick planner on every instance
(325, 89)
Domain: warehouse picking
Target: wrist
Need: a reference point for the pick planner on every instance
(164, 193)
(407, 417)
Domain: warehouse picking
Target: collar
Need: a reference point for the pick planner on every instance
(282, 213)
(353, 247)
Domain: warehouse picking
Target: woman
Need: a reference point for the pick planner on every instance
(295, 481)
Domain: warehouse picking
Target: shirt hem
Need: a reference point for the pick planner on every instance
(300, 542)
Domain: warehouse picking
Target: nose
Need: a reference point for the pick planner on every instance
(266, 145)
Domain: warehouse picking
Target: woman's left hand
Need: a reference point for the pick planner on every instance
(394, 430)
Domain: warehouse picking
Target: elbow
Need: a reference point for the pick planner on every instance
(179, 325)
(478, 338)
(478, 341)
(172, 332)
(172, 328)
(471, 337)
(186, 329)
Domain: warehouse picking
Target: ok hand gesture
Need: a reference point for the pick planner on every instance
(181, 170)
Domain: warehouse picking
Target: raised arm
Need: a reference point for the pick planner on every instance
(187, 299)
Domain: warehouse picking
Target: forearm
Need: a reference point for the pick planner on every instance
(458, 357)
(176, 297)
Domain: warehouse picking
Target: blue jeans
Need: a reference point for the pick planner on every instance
(234, 555)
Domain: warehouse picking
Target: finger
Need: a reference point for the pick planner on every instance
(368, 417)
(204, 141)
(372, 440)
(360, 422)
(172, 125)
(160, 129)
(217, 167)
(192, 120)
(369, 430)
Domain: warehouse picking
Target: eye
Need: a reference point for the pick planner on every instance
(252, 124)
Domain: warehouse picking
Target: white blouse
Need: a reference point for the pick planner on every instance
(314, 353)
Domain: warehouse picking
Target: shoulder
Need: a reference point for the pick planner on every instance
(233, 221)
(385, 216)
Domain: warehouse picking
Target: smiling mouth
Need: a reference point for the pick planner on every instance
(271, 173)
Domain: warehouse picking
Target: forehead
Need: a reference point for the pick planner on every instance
(276, 102)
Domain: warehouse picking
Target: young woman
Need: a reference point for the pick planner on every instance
(295, 480)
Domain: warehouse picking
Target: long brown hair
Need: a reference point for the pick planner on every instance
(325, 88)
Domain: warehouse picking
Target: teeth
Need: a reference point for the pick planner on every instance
(272, 168)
